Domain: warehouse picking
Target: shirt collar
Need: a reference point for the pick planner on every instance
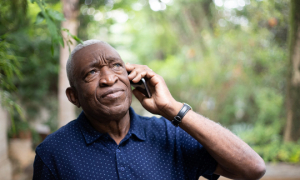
(90, 134)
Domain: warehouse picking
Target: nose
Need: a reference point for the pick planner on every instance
(107, 77)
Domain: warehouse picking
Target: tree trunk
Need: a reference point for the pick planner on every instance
(5, 166)
(292, 129)
(66, 111)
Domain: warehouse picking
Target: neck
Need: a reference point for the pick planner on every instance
(117, 128)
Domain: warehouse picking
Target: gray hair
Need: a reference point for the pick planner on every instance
(70, 64)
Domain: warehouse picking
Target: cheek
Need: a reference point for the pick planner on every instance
(129, 96)
(87, 90)
(127, 84)
(124, 79)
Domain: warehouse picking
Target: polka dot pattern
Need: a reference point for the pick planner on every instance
(152, 149)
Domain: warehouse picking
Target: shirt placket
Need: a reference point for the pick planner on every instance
(120, 158)
(120, 163)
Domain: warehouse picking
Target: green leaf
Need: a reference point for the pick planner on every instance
(77, 39)
(55, 15)
(70, 42)
(73, 36)
(32, 1)
(61, 41)
(52, 28)
(67, 31)
(39, 18)
(64, 29)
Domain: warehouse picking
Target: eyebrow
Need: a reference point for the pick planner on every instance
(111, 58)
(108, 59)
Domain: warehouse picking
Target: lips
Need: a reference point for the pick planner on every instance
(112, 93)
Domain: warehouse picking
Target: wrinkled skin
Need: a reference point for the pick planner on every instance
(102, 87)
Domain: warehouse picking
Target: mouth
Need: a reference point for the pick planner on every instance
(113, 93)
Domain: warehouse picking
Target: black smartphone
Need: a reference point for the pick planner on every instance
(142, 87)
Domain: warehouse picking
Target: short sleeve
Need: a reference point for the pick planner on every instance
(211, 166)
(196, 157)
(40, 170)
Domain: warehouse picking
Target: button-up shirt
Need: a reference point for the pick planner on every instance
(152, 149)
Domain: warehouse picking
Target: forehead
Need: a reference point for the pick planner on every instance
(95, 51)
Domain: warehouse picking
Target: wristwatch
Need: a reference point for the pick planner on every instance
(177, 119)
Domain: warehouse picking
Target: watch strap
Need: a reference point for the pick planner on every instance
(177, 119)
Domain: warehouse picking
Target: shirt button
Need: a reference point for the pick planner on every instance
(118, 150)
(122, 168)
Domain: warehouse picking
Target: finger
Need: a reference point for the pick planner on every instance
(154, 79)
(129, 67)
(140, 68)
(140, 75)
(132, 75)
(137, 78)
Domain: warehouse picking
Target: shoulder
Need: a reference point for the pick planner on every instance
(159, 123)
(59, 138)
(146, 121)
(163, 124)
(162, 128)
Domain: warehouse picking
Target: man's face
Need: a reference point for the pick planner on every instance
(101, 82)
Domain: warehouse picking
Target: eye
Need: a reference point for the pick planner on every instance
(92, 72)
(117, 65)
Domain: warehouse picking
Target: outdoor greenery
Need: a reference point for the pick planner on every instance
(228, 60)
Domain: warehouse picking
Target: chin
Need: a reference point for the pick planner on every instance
(117, 111)
(123, 107)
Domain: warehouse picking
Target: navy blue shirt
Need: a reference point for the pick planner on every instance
(152, 149)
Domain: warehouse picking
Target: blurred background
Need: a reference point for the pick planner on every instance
(236, 62)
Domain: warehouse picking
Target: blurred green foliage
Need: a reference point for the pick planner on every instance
(9, 62)
(26, 62)
(29, 59)
(266, 140)
(229, 63)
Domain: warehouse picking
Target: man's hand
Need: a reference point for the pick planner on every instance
(235, 158)
(161, 102)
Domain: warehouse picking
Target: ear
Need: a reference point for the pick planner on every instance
(72, 96)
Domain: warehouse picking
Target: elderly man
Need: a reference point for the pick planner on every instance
(110, 141)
